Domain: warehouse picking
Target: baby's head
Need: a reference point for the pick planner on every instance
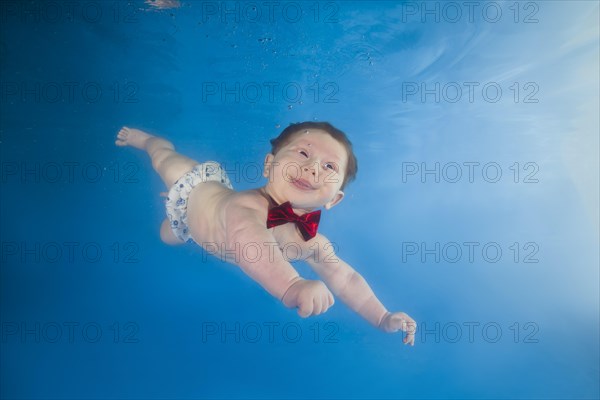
(294, 130)
(310, 164)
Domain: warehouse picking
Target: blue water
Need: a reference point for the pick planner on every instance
(501, 98)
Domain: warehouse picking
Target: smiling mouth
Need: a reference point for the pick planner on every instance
(302, 184)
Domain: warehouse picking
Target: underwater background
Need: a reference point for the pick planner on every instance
(475, 208)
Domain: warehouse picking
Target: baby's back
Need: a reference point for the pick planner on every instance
(207, 208)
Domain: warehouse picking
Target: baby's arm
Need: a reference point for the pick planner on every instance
(353, 289)
(269, 268)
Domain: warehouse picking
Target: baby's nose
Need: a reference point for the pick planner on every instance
(310, 169)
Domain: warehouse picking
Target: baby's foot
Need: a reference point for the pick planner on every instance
(132, 137)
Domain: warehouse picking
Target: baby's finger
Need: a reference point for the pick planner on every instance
(319, 306)
(302, 313)
(407, 324)
(410, 328)
(326, 302)
(305, 309)
(398, 322)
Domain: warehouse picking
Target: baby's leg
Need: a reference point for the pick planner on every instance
(169, 164)
(167, 235)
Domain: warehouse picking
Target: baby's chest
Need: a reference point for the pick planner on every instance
(290, 243)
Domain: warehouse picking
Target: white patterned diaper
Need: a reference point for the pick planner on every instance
(177, 199)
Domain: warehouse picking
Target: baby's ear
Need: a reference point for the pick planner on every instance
(339, 196)
(267, 164)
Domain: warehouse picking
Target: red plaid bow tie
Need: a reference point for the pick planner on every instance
(307, 223)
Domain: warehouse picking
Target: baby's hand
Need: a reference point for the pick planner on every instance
(394, 322)
(310, 297)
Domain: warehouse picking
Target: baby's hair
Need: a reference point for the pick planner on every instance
(295, 129)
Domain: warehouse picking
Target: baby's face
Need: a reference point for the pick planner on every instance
(308, 171)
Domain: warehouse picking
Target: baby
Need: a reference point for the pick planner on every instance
(309, 165)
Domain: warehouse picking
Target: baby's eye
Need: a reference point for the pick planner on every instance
(304, 153)
(331, 166)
